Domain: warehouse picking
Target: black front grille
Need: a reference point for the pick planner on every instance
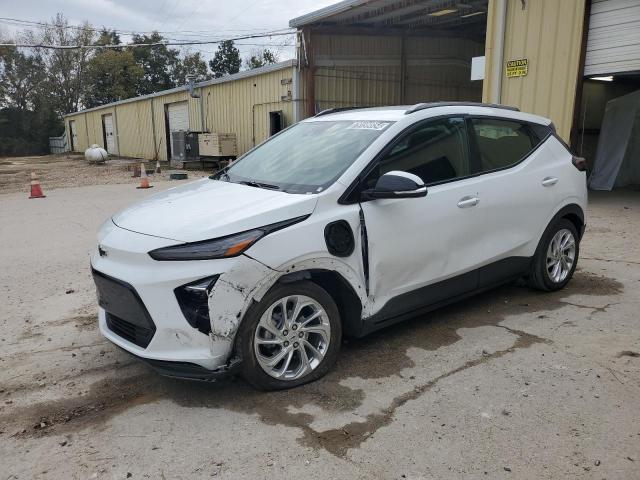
(126, 314)
(135, 334)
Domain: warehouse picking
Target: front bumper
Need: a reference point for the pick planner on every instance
(142, 314)
(191, 371)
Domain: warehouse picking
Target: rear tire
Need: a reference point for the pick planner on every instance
(291, 337)
(556, 257)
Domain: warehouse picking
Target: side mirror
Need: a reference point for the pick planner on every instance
(396, 184)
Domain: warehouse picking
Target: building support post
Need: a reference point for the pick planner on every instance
(576, 128)
(309, 73)
(495, 50)
(403, 70)
(153, 129)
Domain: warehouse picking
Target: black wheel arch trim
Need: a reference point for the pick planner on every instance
(569, 210)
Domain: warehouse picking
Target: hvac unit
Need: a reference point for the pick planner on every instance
(184, 146)
(191, 146)
(218, 145)
(178, 148)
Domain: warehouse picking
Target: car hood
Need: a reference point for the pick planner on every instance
(209, 209)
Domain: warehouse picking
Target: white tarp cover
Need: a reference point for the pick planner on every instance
(618, 155)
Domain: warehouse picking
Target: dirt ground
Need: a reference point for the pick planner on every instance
(509, 384)
(71, 170)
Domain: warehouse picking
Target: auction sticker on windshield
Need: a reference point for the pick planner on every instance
(368, 125)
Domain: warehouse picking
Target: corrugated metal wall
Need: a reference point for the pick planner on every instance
(239, 106)
(440, 69)
(242, 106)
(134, 129)
(549, 34)
(81, 143)
(367, 70)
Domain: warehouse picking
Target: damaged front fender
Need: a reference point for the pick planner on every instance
(230, 298)
(248, 281)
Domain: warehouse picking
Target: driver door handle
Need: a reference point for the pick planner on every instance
(468, 201)
(549, 181)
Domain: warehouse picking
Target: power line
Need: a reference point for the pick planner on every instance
(201, 33)
(140, 45)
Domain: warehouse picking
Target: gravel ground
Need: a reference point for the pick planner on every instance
(57, 171)
(509, 384)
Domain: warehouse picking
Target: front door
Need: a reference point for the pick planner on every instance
(416, 243)
(73, 134)
(109, 138)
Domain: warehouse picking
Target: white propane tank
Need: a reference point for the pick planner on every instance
(95, 154)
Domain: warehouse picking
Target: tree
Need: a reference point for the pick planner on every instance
(21, 77)
(112, 75)
(65, 68)
(108, 37)
(158, 63)
(27, 115)
(226, 59)
(191, 64)
(260, 59)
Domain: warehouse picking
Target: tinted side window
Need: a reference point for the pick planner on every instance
(435, 151)
(502, 143)
(541, 131)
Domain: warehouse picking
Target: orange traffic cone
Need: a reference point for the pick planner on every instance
(36, 190)
(144, 180)
(158, 167)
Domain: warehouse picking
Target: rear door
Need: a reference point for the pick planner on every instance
(520, 177)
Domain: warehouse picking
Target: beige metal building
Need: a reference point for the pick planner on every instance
(141, 126)
(558, 58)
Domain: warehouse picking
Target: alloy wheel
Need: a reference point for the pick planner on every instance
(561, 255)
(292, 337)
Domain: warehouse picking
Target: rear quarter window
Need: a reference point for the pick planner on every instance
(503, 143)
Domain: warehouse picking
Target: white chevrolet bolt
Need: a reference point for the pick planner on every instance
(342, 224)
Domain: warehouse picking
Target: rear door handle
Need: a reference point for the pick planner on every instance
(468, 201)
(549, 181)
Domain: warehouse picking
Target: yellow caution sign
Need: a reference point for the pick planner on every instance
(517, 68)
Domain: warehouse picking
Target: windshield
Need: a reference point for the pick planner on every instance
(305, 158)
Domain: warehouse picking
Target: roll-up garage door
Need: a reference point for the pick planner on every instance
(613, 44)
(178, 114)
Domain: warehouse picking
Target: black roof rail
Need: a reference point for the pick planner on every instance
(422, 106)
(335, 110)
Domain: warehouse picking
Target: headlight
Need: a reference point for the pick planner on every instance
(230, 246)
(223, 247)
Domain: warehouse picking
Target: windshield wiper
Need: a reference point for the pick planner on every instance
(251, 183)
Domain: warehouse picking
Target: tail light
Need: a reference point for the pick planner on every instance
(580, 163)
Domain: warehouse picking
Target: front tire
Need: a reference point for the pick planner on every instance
(291, 337)
(556, 257)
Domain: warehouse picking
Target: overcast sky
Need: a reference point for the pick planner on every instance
(181, 19)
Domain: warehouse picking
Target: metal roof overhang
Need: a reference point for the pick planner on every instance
(227, 78)
(407, 15)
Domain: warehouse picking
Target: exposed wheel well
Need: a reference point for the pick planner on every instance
(341, 291)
